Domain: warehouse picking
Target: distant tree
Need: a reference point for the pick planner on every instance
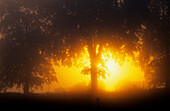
(155, 53)
(23, 29)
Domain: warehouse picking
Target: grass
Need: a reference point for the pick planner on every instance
(141, 100)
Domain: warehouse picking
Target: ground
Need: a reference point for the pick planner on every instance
(145, 101)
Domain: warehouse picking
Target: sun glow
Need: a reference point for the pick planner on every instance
(113, 69)
(117, 76)
(120, 75)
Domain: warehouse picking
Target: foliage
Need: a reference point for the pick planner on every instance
(154, 55)
(24, 32)
(33, 32)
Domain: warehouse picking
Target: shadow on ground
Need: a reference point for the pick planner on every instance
(145, 101)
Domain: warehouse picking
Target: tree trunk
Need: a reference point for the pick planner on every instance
(26, 88)
(93, 71)
(93, 77)
(27, 80)
(93, 63)
(167, 81)
(167, 84)
(165, 37)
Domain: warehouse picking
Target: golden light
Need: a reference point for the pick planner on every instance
(127, 72)
(113, 68)
(71, 77)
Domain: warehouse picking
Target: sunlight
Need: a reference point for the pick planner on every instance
(116, 73)
(127, 73)
(110, 62)
(111, 79)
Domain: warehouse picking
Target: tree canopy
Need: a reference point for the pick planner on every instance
(23, 36)
(33, 32)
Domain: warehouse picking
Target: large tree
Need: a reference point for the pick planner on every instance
(155, 52)
(128, 26)
(60, 29)
(24, 31)
(96, 25)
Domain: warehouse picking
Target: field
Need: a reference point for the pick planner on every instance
(145, 101)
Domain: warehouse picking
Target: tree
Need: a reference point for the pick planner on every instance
(24, 31)
(115, 24)
(61, 29)
(155, 57)
(97, 23)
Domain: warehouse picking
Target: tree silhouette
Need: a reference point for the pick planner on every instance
(115, 24)
(34, 32)
(24, 32)
(98, 23)
(155, 57)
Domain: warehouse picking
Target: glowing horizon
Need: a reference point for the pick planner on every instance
(70, 77)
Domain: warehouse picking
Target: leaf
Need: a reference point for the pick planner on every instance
(86, 70)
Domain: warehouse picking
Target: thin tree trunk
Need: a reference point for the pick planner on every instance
(167, 84)
(26, 88)
(27, 80)
(165, 36)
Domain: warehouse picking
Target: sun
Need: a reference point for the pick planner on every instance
(116, 77)
(113, 69)
(109, 62)
(118, 73)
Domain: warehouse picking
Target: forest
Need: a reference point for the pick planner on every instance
(78, 53)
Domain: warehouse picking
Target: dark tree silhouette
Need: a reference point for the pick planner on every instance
(154, 52)
(114, 24)
(24, 33)
(35, 31)
(108, 24)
